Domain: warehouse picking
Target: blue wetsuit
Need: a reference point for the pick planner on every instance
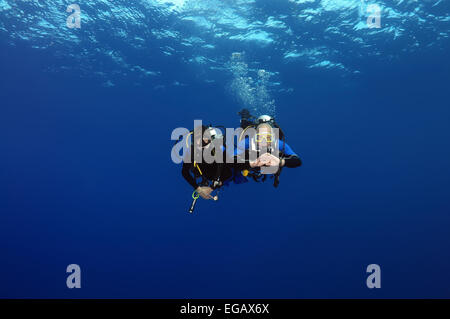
(290, 157)
(285, 153)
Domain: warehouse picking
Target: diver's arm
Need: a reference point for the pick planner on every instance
(217, 182)
(221, 165)
(289, 158)
(204, 192)
(219, 170)
(291, 161)
(185, 171)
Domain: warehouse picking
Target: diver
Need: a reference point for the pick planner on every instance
(195, 167)
(264, 151)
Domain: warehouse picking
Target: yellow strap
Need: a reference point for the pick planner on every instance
(195, 163)
(198, 167)
(240, 137)
(187, 136)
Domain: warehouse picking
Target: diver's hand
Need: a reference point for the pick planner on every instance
(260, 161)
(270, 160)
(266, 159)
(254, 164)
(204, 192)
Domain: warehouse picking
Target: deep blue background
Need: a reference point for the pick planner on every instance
(86, 178)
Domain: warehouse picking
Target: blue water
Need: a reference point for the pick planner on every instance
(86, 175)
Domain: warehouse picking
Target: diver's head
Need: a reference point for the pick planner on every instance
(200, 139)
(211, 134)
(204, 136)
(265, 119)
(264, 135)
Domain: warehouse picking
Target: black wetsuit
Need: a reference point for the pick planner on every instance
(209, 172)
